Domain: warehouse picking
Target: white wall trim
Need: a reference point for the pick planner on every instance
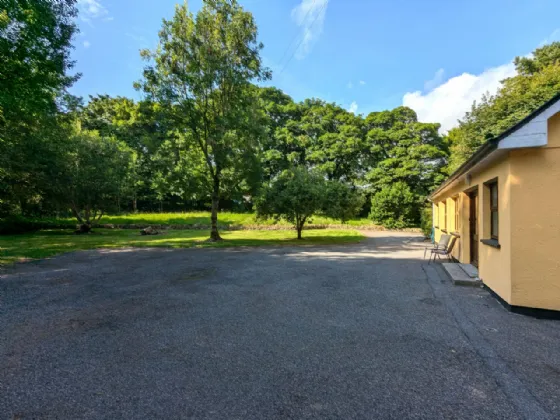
(533, 133)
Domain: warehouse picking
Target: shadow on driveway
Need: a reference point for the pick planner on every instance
(355, 331)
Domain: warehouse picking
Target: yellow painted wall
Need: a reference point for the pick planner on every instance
(525, 271)
(494, 264)
(535, 190)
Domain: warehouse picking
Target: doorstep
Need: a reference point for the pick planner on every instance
(462, 274)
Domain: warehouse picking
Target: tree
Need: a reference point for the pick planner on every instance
(96, 176)
(201, 72)
(143, 127)
(334, 140)
(295, 195)
(537, 81)
(341, 201)
(35, 42)
(395, 206)
(405, 151)
(283, 146)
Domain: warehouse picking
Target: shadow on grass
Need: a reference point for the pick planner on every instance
(49, 243)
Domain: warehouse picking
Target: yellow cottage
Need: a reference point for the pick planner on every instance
(503, 205)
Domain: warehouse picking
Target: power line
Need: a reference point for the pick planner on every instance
(297, 33)
(303, 38)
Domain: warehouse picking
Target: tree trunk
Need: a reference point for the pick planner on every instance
(300, 222)
(82, 229)
(134, 205)
(214, 234)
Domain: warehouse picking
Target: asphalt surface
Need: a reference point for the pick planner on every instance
(366, 331)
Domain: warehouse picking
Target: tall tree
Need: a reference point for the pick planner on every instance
(334, 138)
(537, 81)
(141, 125)
(35, 43)
(408, 152)
(201, 72)
(283, 146)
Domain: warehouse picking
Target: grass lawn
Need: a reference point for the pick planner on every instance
(52, 242)
(191, 218)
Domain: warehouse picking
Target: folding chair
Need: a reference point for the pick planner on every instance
(444, 251)
(442, 244)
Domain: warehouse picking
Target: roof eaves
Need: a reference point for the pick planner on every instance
(492, 145)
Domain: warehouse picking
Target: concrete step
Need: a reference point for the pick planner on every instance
(459, 276)
(470, 269)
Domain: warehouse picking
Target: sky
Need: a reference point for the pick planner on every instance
(435, 56)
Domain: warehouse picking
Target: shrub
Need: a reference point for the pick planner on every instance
(395, 207)
(295, 196)
(426, 220)
(341, 201)
(16, 225)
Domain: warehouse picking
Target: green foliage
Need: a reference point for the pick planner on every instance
(543, 57)
(35, 39)
(96, 176)
(341, 201)
(14, 225)
(426, 220)
(206, 135)
(537, 82)
(404, 151)
(314, 134)
(201, 73)
(185, 219)
(295, 196)
(395, 206)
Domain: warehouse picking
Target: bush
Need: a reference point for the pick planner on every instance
(426, 219)
(295, 196)
(16, 225)
(395, 207)
(341, 202)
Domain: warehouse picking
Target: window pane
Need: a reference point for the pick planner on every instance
(494, 195)
(495, 224)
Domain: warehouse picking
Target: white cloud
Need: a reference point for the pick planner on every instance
(87, 44)
(436, 81)
(310, 16)
(449, 101)
(362, 82)
(353, 107)
(92, 9)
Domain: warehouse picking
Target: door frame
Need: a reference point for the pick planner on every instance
(474, 231)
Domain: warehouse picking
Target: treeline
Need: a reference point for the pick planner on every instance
(536, 82)
(207, 136)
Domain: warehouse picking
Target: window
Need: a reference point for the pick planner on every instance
(494, 216)
(456, 202)
(444, 224)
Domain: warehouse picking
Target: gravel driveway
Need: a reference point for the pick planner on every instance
(360, 331)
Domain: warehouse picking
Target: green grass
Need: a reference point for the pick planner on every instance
(52, 242)
(202, 218)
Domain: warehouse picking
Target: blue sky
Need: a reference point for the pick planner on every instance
(435, 56)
